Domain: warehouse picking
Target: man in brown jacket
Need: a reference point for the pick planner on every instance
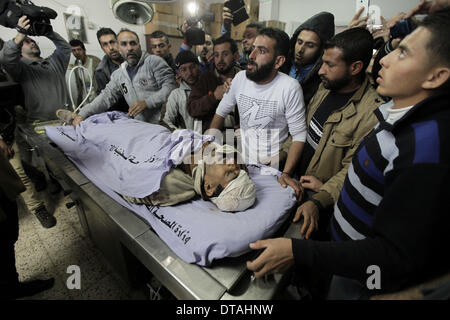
(339, 116)
(210, 88)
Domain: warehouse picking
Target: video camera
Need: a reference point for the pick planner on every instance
(195, 35)
(12, 10)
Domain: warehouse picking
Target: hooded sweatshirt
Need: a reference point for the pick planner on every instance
(323, 25)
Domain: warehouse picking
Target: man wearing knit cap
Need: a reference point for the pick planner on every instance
(176, 115)
(307, 48)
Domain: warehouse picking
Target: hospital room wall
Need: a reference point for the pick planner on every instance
(96, 13)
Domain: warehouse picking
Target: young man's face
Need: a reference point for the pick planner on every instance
(262, 59)
(405, 69)
(79, 53)
(108, 43)
(248, 38)
(189, 72)
(129, 47)
(334, 72)
(160, 47)
(224, 59)
(306, 48)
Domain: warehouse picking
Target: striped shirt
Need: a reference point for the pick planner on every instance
(378, 154)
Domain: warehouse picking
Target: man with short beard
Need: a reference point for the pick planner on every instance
(210, 88)
(339, 115)
(144, 80)
(110, 62)
(270, 105)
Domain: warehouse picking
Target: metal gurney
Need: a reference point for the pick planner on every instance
(127, 242)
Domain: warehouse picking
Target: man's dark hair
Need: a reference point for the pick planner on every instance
(226, 39)
(1, 43)
(439, 26)
(438, 46)
(159, 34)
(104, 32)
(281, 40)
(356, 45)
(258, 26)
(128, 30)
(77, 43)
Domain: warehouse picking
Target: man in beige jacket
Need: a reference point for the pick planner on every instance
(339, 115)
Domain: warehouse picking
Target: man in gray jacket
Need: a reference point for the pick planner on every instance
(42, 80)
(144, 80)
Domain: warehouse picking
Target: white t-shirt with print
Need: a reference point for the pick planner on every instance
(267, 114)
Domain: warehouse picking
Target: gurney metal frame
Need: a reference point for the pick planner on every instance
(118, 232)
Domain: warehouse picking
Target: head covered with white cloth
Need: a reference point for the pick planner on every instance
(222, 178)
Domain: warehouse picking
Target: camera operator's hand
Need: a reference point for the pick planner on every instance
(23, 23)
(219, 92)
(227, 15)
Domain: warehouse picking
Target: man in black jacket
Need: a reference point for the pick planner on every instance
(306, 48)
(390, 223)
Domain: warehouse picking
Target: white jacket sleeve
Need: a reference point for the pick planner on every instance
(295, 113)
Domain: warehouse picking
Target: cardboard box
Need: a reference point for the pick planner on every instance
(175, 8)
(238, 31)
(275, 24)
(252, 7)
(215, 29)
(217, 9)
(180, 21)
(165, 22)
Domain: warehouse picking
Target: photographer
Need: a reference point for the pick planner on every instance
(248, 37)
(42, 79)
(203, 51)
(44, 88)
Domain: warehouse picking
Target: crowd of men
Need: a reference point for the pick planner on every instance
(362, 138)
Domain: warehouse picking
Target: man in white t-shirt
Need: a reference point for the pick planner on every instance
(270, 105)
